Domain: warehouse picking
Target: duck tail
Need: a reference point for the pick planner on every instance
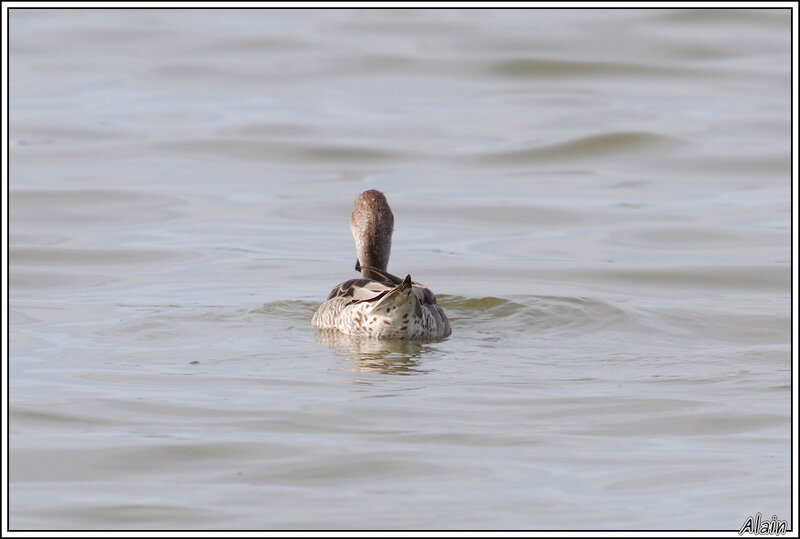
(400, 300)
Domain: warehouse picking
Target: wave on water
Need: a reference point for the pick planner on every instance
(466, 314)
(551, 313)
(483, 318)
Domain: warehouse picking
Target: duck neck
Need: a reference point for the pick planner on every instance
(373, 256)
(372, 224)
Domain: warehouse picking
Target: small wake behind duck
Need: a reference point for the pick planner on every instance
(380, 305)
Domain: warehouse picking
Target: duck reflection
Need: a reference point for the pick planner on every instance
(383, 356)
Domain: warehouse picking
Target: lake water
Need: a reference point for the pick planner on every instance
(600, 199)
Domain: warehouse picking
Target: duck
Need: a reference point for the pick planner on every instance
(378, 304)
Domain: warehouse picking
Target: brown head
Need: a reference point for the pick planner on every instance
(372, 224)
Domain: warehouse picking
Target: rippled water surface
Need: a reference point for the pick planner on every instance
(599, 198)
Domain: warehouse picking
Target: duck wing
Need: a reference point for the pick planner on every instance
(343, 296)
(355, 290)
(426, 297)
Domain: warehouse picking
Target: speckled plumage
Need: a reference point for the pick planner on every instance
(383, 310)
(380, 305)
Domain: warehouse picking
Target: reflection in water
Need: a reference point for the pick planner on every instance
(387, 356)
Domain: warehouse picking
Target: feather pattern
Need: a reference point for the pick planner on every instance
(383, 310)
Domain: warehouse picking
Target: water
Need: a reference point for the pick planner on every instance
(599, 198)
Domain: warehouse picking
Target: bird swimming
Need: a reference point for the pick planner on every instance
(379, 304)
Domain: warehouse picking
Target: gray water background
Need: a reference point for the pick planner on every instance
(599, 198)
